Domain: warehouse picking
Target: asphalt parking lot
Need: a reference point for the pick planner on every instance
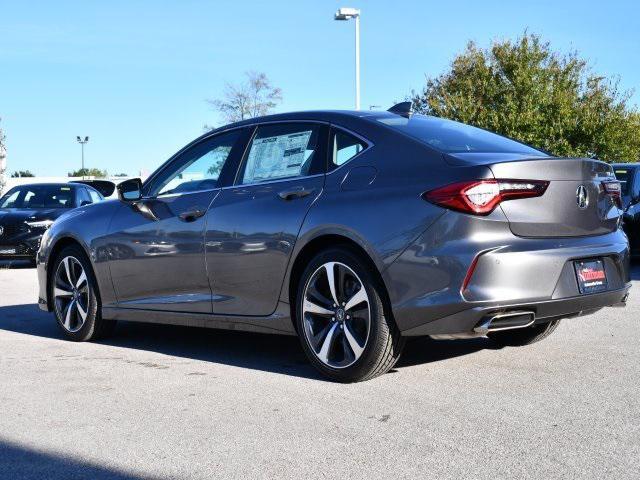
(171, 402)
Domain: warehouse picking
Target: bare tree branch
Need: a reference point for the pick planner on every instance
(253, 98)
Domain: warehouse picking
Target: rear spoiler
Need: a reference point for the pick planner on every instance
(105, 187)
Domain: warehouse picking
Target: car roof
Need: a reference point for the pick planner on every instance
(313, 115)
(46, 184)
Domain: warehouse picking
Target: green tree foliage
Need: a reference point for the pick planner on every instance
(525, 90)
(89, 172)
(22, 173)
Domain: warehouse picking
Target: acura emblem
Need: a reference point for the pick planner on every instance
(582, 197)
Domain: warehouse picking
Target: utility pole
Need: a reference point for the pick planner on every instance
(82, 142)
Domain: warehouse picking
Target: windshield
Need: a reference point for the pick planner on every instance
(454, 137)
(38, 196)
(624, 175)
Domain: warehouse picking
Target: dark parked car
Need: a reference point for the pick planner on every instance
(26, 211)
(352, 230)
(629, 176)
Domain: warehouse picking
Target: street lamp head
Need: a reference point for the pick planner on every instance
(346, 13)
(86, 139)
(78, 138)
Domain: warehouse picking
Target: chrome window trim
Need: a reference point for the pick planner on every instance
(368, 142)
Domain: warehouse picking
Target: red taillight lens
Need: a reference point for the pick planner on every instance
(480, 197)
(614, 190)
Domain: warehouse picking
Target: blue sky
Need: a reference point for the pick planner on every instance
(134, 75)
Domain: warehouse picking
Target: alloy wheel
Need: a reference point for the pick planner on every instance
(336, 315)
(71, 294)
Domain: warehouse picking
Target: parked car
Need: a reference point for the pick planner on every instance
(629, 176)
(26, 211)
(352, 230)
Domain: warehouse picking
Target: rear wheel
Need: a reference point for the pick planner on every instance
(75, 297)
(341, 319)
(524, 336)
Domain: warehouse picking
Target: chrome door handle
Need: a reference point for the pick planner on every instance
(191, 215)
(297, 192)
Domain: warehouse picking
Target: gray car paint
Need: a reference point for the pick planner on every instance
(422, 251)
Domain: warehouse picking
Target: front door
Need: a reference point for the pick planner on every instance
(253, 226)
(156, 246)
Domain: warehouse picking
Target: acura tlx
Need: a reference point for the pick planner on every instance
(351, 230)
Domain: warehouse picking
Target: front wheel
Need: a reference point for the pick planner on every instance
(75, 297)
(341, 319)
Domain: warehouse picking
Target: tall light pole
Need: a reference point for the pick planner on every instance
(347, 13)
(82, 142)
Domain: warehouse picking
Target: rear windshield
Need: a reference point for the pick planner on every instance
(453, 137)
(38, 196)
(625, 175)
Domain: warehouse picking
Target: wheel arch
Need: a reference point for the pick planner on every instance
(59, 245)
(324, 242)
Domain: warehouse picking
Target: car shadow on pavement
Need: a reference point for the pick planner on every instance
(19, 462)
(273, 353)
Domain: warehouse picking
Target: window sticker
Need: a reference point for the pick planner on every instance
(277, 157)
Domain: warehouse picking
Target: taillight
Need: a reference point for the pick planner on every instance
(481, 197)
(614, 190)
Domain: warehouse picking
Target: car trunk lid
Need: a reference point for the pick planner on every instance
(575, 202)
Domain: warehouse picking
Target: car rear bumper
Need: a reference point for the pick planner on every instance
(446, 287)
(466, 320)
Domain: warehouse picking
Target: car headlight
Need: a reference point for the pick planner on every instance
(40, 224)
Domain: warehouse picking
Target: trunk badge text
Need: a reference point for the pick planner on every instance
(582, 197)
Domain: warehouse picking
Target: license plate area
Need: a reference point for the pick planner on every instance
(591, 275)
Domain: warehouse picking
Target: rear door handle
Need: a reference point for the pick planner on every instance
(191, 215)
(297, 192)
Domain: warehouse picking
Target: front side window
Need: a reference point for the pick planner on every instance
(281, 151)
(345, 147)
(39, 196)
(95, 196)
(83, 196)
(197, 169)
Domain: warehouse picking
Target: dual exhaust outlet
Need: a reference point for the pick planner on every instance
(505, 321)
(494, 322)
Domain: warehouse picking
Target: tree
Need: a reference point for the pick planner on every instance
(22, 173)
(253, 98)
(525, 90)
(89, 172)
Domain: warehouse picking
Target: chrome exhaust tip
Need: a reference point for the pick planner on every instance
(505, 321)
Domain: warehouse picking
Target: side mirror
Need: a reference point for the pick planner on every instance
(130, 190)
(85, 202)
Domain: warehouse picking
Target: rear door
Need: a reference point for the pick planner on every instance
(252, 226)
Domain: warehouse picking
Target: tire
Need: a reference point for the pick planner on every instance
(363, 342)
(73, 290)
(524, 336)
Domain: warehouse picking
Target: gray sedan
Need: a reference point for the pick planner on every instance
(352, 230)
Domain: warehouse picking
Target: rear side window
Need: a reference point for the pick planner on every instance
(454, 137)
(281, 151)
(345, 147)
